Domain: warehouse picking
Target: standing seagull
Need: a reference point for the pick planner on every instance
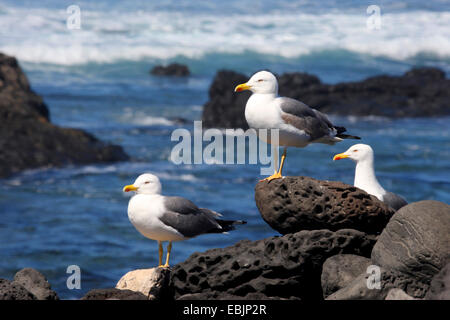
(298, 125)
(365, 178)
(169, 218)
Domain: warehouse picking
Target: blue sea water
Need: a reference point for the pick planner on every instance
(97, 79)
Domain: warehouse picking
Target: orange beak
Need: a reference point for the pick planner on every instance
(340, 156)
(242, 87)
(129, 188)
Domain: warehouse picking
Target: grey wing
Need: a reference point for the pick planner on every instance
(184, 216)
(301, 116)
(394, 200)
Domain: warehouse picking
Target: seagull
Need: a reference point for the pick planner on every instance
(365, 178)
(298, 125)
(162, 218)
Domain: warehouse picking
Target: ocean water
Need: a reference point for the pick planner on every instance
(97, 79)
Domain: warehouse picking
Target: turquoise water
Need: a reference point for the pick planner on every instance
(97, 79)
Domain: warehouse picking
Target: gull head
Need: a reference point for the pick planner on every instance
(146, 183)
(357, 152)
(260, 82)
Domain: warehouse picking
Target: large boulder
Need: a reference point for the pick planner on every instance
(28, 139)
(287, 267)
(440, 285)
(36, 283)
(13, 291)
(416, 240)
(153, 283)
(292, 204)
(339, 270)
(420, 92)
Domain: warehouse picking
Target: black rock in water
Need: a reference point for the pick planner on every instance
(173, 69)
(28, 139)
(420, 92)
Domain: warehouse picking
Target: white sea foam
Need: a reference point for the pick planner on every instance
(143, 119)
(41, 36)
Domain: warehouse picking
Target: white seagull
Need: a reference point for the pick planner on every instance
(365, 178)
(162, 218)
(298, 125)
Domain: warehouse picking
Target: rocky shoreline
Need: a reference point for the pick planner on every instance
(29, 140)
(420, 92)
(406, 255)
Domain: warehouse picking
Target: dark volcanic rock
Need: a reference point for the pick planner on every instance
(273, 268)
(292, 204)
(416, 240)
(359, 290)
(421, 92)
(225, 108)
(173, 69)
(339, 270)
(29, 140)
(440, 285)
(36, 283)
(113, 294)
(13, 291)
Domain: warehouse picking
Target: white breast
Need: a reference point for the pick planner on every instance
(144, 212)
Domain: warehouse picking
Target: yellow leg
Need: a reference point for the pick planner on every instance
(277, 174)
(169, 248)
(160, 253)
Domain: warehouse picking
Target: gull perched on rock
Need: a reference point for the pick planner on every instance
(162, 218)
(365, 178)
(298, 125)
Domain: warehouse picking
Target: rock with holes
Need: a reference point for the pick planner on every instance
(287, 267)
(9, 290)
(416, 240)
(292, 204)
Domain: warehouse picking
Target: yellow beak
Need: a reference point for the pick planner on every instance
(242, 87)
(340, 156)
(129, 188)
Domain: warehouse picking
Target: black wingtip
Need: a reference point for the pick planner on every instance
(347, 136)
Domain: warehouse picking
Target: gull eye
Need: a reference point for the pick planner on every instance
(355, 150)
(146, 182)
(260, 80)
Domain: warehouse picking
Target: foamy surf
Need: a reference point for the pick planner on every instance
(41, 35)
